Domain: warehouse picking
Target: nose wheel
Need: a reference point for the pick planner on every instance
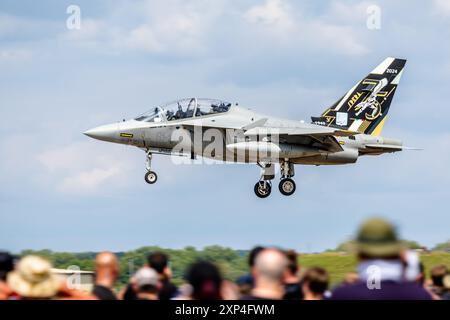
(150, 177)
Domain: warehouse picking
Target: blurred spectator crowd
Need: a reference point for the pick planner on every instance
(386, 270)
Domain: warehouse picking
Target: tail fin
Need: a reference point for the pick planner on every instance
(365, 106)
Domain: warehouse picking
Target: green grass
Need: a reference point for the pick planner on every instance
(232, 263)
(339, 264)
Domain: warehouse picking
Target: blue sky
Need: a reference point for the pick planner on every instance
(64, 191)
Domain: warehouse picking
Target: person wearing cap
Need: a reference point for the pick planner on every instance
(381, 268)
(147, 284)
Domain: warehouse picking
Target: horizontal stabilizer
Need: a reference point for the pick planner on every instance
(391, 147)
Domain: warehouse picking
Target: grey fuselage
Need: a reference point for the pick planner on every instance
(164, 137)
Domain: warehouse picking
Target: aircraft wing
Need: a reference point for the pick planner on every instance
(299, 131)
(308, 135)
(320, 137)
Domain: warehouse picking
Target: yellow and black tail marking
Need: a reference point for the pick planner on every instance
(365, 106)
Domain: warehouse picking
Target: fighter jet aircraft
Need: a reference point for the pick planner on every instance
(223, 131)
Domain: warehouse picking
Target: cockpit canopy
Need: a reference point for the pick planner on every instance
(183, 109)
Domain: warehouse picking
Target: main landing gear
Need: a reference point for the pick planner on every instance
(287, 186)
(150, 177)
(263, 187)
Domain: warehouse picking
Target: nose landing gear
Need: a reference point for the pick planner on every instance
(150, 177)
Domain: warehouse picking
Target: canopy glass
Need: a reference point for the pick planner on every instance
(185, 108)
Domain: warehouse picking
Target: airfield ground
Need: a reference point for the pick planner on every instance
(339, 264)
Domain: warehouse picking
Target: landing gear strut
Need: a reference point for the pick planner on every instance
(150, 177)
(263, 187)
(287, 185)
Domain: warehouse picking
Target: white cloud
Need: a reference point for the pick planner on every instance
(90, 30)
(442, 7)
(175, 27)
(289, 27)
(273, 13)
(11, 25)
(143, 37)
(14, 55)
(95, 167)
(345, 13)
(25, 28)
(83, 168)
(89, 181)
(337, 37)
(181, 28)
(65, 158)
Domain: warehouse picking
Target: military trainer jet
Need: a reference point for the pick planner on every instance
(219, 130)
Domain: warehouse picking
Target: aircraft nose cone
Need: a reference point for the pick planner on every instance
(106, 133)
(90, 133)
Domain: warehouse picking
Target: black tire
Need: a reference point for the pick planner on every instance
(262, 192)
(287, 187)
(151, 177)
